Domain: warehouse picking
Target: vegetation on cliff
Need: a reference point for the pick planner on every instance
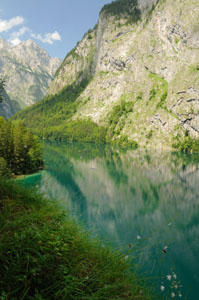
(20, 150)
(46, 255)
(53, 110)
(144, 61)
(52, 119)
(2, 84)
(123, 8)
(186, 144)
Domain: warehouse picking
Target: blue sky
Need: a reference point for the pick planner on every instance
(54, 25)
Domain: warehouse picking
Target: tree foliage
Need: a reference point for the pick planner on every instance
(123, 8)
(20, 150)
(2, 85)
(186, 144)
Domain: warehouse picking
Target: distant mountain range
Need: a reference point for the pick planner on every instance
(28, 69)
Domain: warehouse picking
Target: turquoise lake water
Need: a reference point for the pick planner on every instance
(146, 203)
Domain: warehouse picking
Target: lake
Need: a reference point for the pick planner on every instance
(144, 202)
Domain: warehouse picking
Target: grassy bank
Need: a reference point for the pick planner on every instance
(46, 255)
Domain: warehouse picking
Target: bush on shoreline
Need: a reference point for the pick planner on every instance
(20, 150)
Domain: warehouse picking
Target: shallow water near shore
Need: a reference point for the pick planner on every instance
(145, 202)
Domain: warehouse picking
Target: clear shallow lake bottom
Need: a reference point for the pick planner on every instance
(145, 202)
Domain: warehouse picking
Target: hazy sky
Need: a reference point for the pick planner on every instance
(55, 25)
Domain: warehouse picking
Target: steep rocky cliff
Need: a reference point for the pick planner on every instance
(8, 107)
(143, 71)
(28, 70)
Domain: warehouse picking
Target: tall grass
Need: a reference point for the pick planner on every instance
(46, 255)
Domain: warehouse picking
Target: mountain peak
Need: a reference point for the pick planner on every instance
(4, 43)
(29, 70)
(29, 44)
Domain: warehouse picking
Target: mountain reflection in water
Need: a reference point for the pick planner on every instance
(148, 200)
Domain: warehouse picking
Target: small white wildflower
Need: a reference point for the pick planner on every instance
(170, 224)
(169, 277)
(174, 276)
(138, 237)
(173, 295)
(126, 257)
(162, 288)
(86, 277)
(180, 295)
(176, 286)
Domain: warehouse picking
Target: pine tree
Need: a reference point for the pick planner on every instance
(2, 85)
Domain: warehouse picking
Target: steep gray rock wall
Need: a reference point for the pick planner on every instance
(146, 4)
(7, 106)
(152, 65)
(77, 64)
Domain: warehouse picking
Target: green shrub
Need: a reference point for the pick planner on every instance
(149, 134)
(4, 170)
(187, 144)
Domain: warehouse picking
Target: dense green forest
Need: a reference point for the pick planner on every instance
(123, 8)
(20, 150)
(52, 113)
(51, 119)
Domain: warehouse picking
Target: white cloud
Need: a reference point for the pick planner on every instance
(16, 41)
(6, 25)
(14, 36)
(48, 38)
(20, 32)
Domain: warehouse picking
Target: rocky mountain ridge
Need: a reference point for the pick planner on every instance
(143, 72)
(28, 70)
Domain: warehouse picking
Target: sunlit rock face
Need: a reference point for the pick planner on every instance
(28, 70)
(146, 4)
(152, 64)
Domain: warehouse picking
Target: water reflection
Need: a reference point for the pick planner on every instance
(122, 194)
